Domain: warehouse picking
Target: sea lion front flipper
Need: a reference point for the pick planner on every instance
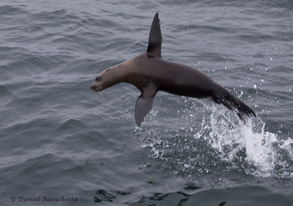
(155, 38)
(144, 103)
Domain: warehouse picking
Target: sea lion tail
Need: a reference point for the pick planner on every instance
(222, 96)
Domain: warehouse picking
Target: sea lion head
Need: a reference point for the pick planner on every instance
(108, 78)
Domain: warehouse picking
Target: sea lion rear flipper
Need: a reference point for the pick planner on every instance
(144, 104)
(222, 96)
(155, 38)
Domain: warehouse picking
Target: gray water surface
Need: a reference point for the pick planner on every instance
(61, 144)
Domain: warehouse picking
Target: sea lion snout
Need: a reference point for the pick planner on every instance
(95, 87)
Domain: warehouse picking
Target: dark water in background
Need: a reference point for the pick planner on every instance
(57, 138)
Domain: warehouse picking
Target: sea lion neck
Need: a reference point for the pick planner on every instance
(135, 71)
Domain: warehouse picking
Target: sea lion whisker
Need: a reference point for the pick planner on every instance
(99, 95)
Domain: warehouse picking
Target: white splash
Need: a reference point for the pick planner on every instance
(184, 145)
(228, 135)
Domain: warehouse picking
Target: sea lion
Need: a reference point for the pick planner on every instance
(150, 74)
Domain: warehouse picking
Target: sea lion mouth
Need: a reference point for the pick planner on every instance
(96, 88)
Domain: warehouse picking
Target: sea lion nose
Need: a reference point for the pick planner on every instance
(93, 87)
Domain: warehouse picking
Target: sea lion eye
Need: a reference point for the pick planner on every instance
(98, 78)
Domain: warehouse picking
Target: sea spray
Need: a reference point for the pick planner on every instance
(228, 135)
(220, 142)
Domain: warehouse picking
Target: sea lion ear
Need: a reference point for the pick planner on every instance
(144, 103)
(155, 38)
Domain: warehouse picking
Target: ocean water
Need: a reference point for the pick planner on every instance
(61, 144)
